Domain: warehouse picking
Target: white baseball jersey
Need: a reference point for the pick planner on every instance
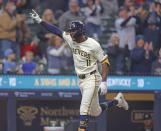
(85, 54)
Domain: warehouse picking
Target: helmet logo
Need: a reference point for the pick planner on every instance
(70, 25)
(73, 25)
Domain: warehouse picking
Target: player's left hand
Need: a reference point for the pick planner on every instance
(35, 16)
(103, 88)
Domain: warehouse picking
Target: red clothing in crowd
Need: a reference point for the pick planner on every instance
(139, 1)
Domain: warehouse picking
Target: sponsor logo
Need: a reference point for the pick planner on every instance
(24, 94)
(68, 94)
(27, 114)
(119, 82)
(46, 94)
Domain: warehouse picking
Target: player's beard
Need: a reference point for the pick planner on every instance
(73, 39)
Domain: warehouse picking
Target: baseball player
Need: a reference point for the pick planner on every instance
(86, 52)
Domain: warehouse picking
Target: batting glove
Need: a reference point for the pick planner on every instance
(103, 88)
(35, 16)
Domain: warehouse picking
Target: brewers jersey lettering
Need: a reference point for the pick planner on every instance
(85, 55)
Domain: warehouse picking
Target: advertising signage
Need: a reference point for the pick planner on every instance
(44, 82)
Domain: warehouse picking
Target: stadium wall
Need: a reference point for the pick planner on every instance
(44, 98)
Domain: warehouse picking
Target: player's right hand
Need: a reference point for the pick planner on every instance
(35, 16)
(103, 88)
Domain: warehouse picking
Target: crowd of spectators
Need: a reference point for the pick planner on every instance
(138, 26)
(134, 46)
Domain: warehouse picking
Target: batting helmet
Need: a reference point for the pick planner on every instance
(79, 26)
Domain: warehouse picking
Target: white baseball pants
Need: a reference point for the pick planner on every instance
(90, 99)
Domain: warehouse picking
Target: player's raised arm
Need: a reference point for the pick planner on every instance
(52, 28)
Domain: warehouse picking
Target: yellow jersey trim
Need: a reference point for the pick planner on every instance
(105, 61)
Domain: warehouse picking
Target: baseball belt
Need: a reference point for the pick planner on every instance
(83, 76)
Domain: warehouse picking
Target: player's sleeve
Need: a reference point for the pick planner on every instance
(67, 38)
(52, 28)
(100, 55)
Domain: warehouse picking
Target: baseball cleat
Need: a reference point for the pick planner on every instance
(121, 101)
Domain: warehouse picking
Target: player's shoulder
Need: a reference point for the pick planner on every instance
(66, 36)
(93, 42)
(66, 33)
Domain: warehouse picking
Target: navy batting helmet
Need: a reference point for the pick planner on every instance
(79, 26)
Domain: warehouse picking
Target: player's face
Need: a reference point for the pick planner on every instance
(72, 33)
